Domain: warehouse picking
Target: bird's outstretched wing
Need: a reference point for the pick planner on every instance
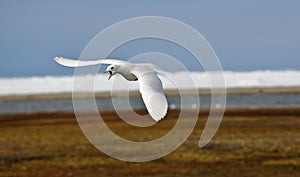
(152, 93)
(77, 63)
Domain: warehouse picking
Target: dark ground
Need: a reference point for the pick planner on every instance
(250, 142)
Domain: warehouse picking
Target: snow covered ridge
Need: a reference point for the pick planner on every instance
(60, 84)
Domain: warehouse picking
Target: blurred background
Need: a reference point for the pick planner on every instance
(256, 35)
(257, 42)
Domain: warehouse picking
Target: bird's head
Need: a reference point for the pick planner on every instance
(112, 70)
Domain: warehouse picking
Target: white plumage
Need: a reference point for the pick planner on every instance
(150, 85)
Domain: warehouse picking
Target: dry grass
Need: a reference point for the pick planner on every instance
(249, 145)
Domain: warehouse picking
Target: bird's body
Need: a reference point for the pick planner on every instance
(127, 73)
(150, 85)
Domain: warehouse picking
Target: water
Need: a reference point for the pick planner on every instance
(246, 100)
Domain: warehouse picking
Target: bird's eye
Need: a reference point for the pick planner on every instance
(112, 68)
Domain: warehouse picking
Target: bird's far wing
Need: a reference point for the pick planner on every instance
(152, 93)
(77, 63)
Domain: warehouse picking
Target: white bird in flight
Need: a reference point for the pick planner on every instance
(150, 85)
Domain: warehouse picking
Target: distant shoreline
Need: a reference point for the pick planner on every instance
(112, 115)
(230, 91)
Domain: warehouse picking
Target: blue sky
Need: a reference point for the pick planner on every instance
(246, 35)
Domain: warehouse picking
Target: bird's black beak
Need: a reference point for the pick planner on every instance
(110, 74)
